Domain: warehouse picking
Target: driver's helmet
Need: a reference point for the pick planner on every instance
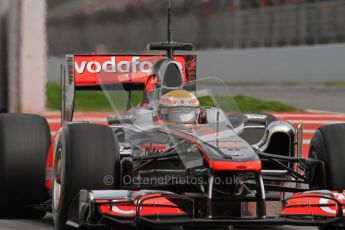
(179, 106)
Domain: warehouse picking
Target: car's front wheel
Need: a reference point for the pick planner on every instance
(328, 146)
(86, 157)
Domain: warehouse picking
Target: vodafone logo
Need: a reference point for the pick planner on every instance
(129, 212)
(338, 196)
(112, 66)
(92, 70)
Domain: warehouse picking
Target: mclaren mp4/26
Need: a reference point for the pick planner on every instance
(183, 156)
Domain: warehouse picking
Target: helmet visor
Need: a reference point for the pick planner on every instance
(185, 115)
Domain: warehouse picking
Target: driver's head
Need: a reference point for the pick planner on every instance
(179, 106)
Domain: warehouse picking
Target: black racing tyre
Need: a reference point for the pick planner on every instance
(216, 227)
(330, 228)
(87, 157)
(328, 146)
(24, 145)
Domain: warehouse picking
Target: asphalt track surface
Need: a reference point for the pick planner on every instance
(47, 224)
(311, 120)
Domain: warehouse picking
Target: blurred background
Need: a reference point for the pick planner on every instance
(291, 51)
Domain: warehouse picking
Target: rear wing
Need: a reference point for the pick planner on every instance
(132, 71)
(121, 72)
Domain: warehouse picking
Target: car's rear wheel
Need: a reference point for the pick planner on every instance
(328, 146)
(24, 145)
(86, 157)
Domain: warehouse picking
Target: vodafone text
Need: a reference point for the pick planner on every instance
(112, 66)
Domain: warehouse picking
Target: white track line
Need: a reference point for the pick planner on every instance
(310, 115)
(322, 111)
(316, 121)
(99, 119)
(93, 119)
(306, 141)
(309, 130)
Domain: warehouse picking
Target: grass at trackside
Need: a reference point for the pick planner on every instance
(86, 101)
(286, 83)
(246, 104)
(89, 101)
(53, 96)
(97, 101)
(335, 83)
(250, 104)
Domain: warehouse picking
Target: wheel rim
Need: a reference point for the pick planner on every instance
(57, 180)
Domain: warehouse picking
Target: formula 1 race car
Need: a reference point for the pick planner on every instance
(182, 155)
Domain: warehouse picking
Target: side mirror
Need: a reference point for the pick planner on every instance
(252, 121)
(255, 119)
(118, 119)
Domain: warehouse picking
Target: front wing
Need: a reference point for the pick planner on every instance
(150, 207)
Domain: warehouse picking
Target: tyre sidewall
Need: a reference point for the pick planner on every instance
(329, 147)
(60, 211)
(72, 163)
(317, 150)
(24, 144)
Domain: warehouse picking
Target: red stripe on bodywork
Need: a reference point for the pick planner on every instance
(155, 206)
(313, 204)
(236, 166)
